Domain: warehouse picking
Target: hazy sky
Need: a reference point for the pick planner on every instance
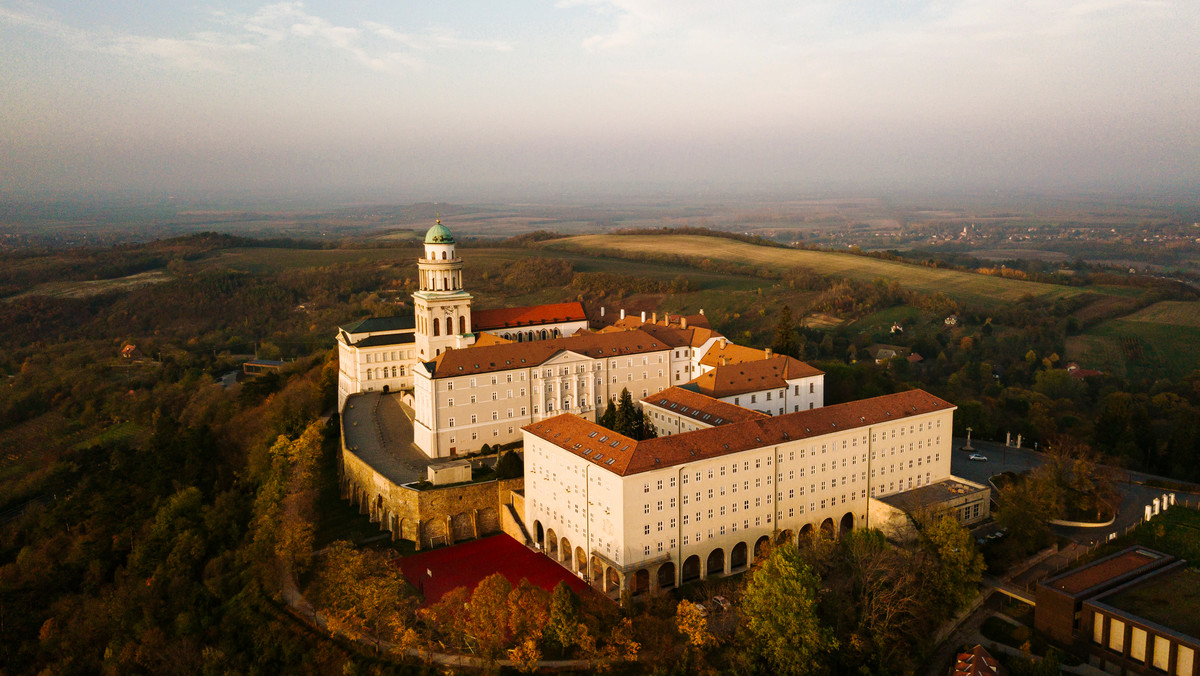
(439, 100)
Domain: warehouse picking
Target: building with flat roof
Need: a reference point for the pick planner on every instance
(1132, 612)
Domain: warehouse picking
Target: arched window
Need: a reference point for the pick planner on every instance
(436, 327)
(446, 283)
(543, 334)
(462, 324)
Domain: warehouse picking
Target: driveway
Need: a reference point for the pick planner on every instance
(1134, 496)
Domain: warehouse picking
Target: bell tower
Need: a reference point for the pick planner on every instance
(442, 307)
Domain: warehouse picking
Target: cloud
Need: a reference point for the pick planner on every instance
(276, 26)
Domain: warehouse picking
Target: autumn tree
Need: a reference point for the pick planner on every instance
(782, 630)
(692, 622)
(955, 566)
(562, 627)
(360, 591)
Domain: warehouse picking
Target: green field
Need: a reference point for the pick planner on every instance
(1157, 342)
(1170, 312)
(970, 288)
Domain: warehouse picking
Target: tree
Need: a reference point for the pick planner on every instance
(487, 619)
(609, 418)
(692, 623)
(509, 466)
(626, 412)
(562, 627)
(785, 334)
(957, 566)
(360, 591)
(781, 626)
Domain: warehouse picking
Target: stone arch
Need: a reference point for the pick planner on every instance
(666, 575)
(641, 582)
(715, 563)
(564, 550)
(761, 547)
(846, 524)
(596, 572)
(691, 568)
(738, 556)
(551, 544)
(786, 536)
(580, 560)
(827, 528)
(612, 580)
(806, 531)
(539, 535)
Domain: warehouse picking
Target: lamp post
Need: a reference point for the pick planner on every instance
(968, 446)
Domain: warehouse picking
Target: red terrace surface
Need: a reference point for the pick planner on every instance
(467, 564)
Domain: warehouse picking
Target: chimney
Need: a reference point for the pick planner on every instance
(724, 361)
(622, 313)
(683, 322)
(643, 316)
(724, 342)
(701, 311)
(654, 318)
(601, 310)
(768, 351)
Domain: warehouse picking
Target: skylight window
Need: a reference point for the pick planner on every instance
(592, 434)
(604, 438)
(609, 461)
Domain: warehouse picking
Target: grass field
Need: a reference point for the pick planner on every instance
(89, 288)
(1170, 312)
(1158, 341)
(970, 288)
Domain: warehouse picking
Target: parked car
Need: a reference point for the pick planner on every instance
(978, 457)
(720, 602)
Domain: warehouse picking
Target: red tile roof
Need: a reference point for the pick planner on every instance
(978, 662)
(700, 407)
(672, 335)
(581, 437)
(513, 317)
(752, 376)
(731, 354)
(502, 357)
(693, 321)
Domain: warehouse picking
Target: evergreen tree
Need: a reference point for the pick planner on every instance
(785, 334)
(626, 413)
(609, 418)
(648, 431)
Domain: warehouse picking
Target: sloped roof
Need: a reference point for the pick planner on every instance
(752, 376)
(699, 407)
(501, 357)
(978, 662)
(513, 317)
(575, 435)
(634, 321)
(671, 335)
(387, 339)
(484, 339)
(732, 354)
(379, 324)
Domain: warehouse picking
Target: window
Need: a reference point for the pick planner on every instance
(646, 508)
(451, 422)
(647, 531)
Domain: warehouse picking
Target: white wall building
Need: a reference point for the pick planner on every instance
(656, 513)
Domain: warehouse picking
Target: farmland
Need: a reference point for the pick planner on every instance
(973, 289)
(1158, 341)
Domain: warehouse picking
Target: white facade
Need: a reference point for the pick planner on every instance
(708, 515)
(458, 414)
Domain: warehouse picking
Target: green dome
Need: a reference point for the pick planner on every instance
(439, 234)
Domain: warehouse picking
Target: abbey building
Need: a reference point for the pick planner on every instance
(746, 450)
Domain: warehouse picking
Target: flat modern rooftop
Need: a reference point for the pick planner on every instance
(1104, 570)
(1171, 599)
(933, 494)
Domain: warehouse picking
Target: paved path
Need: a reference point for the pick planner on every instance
(378, 429)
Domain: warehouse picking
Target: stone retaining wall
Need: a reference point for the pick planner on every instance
(431, 517)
